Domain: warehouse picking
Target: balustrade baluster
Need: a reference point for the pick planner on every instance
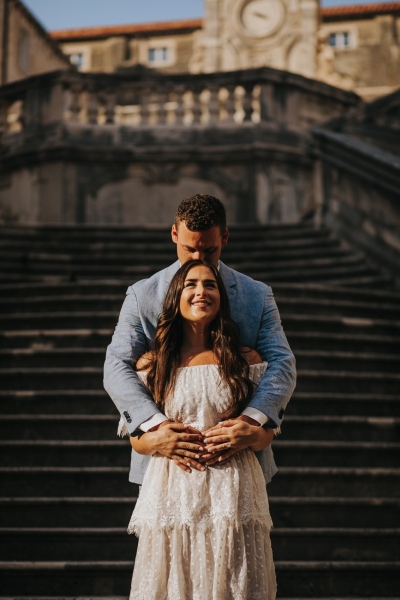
(213, 105)
(162, 97)
(3, 117)
(92, 110)
(109, 107)
(247, 102)
(74, 104)
(230, 103)
(180, 105)
(196, 106)
(145, 98)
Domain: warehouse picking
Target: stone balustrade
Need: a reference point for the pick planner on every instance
(153, 100)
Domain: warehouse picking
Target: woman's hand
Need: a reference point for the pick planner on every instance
(179, 442)
(226, 439)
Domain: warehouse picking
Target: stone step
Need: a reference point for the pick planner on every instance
(30, 358)
(354, 382)
(91, 378)
(100, 287)
(345, 404)
(98, 402)
(310, 579)
(332, 512)
(290, 271)
(100, 338)
(113, 303)
(290, 481)
(125, 598)
(101, 453)
(331, 342)
(155, 245)
(116, 512)
(108, 319)
(104, 427)
(86, 234)
(306, 544)
(125, 255)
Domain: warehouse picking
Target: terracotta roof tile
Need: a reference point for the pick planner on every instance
(360, 9)
(96, 32)
(169, 26)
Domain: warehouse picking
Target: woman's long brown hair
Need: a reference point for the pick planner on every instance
(223, 341)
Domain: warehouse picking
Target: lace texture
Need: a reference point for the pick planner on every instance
(203, 535)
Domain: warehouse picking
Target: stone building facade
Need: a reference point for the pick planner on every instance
(25, 46)
(352, 47)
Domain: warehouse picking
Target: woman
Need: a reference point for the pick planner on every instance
(203, 535)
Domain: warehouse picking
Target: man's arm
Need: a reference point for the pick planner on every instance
(121, 382)
(279, 380)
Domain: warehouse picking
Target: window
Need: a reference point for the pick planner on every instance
(76, 59)
(158, 55)
(23, 50)
(340, 40)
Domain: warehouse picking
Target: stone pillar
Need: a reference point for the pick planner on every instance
(211, 37)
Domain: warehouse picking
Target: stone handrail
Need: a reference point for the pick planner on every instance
(149, 99)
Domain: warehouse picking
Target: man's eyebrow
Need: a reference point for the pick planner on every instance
(202, 249)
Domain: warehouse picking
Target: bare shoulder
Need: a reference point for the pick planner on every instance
(251, 356)
(144, 362)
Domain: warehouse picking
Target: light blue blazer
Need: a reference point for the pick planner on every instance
(254, 310)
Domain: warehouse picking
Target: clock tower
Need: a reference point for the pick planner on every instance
(243, 34)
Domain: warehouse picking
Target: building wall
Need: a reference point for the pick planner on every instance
(370, 64)
(108, 55)
(30, 50)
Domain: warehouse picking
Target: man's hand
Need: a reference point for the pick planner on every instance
(227, 438)
(182, 443)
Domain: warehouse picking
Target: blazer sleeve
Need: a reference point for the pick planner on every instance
(279, 380)
(121, 382)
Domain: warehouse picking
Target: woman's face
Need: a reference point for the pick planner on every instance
(200, 299)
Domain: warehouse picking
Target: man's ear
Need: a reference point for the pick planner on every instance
(225, 237)
(174, 234)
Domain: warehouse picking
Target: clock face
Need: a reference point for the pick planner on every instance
(260, 18)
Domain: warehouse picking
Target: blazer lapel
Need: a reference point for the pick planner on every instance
(229, 281)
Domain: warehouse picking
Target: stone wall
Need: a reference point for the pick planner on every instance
(359, 178)
(28, 47)
(125, 149)
(370, 62)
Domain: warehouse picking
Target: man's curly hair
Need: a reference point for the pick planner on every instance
(200, 212)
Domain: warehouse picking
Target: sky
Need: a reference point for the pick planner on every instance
(61, 14)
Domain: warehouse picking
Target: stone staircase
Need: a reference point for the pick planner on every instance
(65, 500)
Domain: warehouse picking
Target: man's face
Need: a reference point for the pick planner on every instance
(204, 245)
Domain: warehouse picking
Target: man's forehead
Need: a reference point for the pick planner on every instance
(200, 237)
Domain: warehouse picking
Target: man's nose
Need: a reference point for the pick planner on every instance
(198, 255)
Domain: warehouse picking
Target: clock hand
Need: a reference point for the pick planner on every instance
(257, 14)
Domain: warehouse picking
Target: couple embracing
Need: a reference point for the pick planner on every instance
(201, 372)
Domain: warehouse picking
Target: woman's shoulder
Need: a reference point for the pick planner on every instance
(251, 356)
(145, 361)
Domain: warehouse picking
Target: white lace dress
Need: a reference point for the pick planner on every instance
(203, 535)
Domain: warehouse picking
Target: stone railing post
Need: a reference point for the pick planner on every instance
(247, 102)
(213, 104)
(196, 105)
(92, 107)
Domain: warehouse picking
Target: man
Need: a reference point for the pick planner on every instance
(199, 232)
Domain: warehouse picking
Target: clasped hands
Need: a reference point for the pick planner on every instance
(190, 448)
